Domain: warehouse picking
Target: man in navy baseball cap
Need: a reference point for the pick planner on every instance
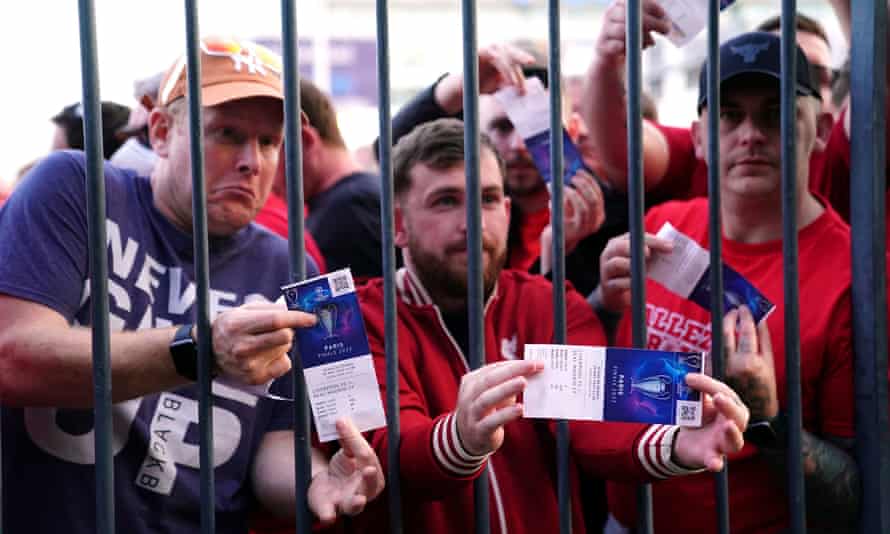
(749, 162)
(756, 53)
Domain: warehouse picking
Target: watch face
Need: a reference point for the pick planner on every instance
(761, 434)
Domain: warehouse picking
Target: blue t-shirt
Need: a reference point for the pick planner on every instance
(48, 456)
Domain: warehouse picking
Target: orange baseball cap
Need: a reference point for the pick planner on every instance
(230, 69)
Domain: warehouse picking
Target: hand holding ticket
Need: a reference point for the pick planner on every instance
(686, 272)
(530, 115)
(688, 18)
(335, 355)
(613, 384)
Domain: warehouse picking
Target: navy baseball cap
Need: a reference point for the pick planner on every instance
(756, 53)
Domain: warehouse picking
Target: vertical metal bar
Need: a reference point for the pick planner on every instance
(867, 217)
(635, 194)
(294, 173)
(390, 311)
(92, 125)
(796, 497)
(475, 289)
(715, 236)
(202, 268)
(559, 270)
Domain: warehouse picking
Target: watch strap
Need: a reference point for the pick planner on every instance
(184, 352)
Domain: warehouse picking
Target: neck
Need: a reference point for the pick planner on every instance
(164, 201)
(755, 220)
(332, 164)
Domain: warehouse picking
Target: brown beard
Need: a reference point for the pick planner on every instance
(446, 286)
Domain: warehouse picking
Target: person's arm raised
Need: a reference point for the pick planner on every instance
(603, 104)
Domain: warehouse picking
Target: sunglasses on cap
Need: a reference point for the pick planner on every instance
(249, 54)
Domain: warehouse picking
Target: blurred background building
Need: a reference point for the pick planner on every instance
(337, 50)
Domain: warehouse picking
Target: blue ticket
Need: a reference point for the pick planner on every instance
(335, 355)
(538, 146)
(613, 384)
(686, 271)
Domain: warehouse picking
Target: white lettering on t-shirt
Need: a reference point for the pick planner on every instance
(43, 428)
(167, 448)
(670, 330)
(122, 258)
(147, 281)
(180, 299)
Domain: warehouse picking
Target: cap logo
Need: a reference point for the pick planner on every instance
(244, 55)
(749, 52)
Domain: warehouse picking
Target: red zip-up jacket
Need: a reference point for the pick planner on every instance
(436, 473)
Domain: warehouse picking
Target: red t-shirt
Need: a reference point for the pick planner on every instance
(757, 500)
(524, 253)
(273, 215)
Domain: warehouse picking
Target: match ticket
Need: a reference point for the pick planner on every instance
(613, 384)
(530, 115)
(688, 18)
(686, 271)
(335, 355)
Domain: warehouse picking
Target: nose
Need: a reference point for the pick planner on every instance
(248, 162)
(753, 131)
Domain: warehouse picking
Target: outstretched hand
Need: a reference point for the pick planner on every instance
(724, 419)
(352, 478)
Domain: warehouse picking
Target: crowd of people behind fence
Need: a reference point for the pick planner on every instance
(456, 424)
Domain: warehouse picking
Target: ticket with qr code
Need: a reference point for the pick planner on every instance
(688, 18)
(613, 384)
(334, 354)
(530, 115)
(686, 271)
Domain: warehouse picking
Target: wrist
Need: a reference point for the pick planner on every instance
(448, 93)
(768, 434)
(675, 458)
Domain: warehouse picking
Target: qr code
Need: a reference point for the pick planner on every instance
(688, 414)
(341, 283)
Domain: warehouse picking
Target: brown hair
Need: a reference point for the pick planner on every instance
(438, 144)
(321, 114)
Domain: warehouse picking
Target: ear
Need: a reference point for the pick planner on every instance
(400, 233)
(824, 125)
(160, 128)
(508, 203)
(698, 140)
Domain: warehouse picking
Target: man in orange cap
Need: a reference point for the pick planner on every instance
(46, 377)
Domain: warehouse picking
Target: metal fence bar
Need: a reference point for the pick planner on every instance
(715, 236)
(558, 266)
(475, 288)
(867, 217)
(795, 482)
(92, 125)
(294, 181)
(202, 269)
(390, 312)
(635, 196)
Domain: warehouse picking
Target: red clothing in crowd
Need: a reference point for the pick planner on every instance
(273, 215)
(436, 472)
(687, 176)
(526, 252)
(757, 501)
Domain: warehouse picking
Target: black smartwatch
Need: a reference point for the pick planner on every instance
(184, 352)
(768, 434)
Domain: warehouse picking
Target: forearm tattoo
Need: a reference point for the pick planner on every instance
(832, 482)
